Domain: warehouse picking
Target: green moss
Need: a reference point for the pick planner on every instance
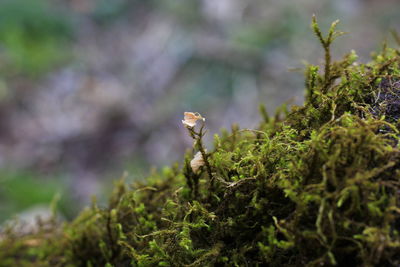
(316, 185)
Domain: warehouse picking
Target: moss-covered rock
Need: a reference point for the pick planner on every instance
(317, 185)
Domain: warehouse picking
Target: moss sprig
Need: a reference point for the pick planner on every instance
(326, 44)
(190, 121)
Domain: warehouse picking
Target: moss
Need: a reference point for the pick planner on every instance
(316, 185)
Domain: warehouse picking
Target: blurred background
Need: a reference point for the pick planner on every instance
(92, 88)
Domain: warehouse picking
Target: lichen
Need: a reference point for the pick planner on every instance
(316, 185)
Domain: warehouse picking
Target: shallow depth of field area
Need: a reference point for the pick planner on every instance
(92, 90)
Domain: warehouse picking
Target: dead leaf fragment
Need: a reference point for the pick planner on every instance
(190, 119)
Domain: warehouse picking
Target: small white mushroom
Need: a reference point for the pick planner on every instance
(197, 162)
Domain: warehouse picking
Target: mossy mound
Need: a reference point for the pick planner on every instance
(317, 185)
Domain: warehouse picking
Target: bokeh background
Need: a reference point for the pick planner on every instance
(92, 88)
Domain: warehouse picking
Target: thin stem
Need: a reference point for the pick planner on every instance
(197, 137)
(206, 162)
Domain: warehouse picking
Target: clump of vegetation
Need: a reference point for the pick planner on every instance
(317, 185)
